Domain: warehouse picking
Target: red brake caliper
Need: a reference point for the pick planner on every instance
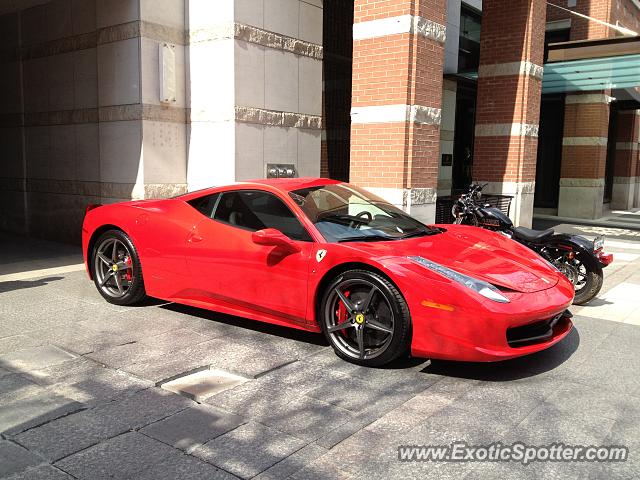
(128, 275)
(341, 312)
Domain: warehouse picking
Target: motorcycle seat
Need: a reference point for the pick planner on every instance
(532, 236)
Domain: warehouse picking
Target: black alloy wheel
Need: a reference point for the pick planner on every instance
(365, 318)
(116, 269)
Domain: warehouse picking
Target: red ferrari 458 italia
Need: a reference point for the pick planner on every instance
(321, 255)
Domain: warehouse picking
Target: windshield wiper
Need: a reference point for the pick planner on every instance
(420, 233)
(367, 238)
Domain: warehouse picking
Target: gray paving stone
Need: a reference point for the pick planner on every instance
(18, 342)
(42, 472)
(357, 396)
(320, 470)
(576, 398)
(547, 424)
(20, 415)
(64, 373)
(121, 355)
(254, 399)
(249, 449)
(149, 322)
(203, 384)
(34, 358)
(14, 386)
(161, 367)
(233, 357)
(193, 426)
(90, 383)
(144, 407)
(341, 432)
(625, 431)
(14, 458)
(306, 418)
(184, 467)
(454, 424)
(301, 376)
(409, 415)
(175, 339)
(70, 434)
(612, 371)
(293, 463)
(124, 457)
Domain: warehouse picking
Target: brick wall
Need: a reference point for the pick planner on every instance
(509, 36)
(396, 69)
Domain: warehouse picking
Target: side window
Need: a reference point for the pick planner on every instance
(205, 205)
(254, 210)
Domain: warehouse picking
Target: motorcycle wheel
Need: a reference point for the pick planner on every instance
(589, 281)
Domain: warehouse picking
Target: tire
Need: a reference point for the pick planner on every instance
(377, 330)
(593, 283)
(116, 269)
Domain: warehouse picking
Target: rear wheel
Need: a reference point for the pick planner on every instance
(116, 269)
(588, 280)
(365, 318)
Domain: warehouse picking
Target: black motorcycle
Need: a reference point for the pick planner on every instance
(579, 259)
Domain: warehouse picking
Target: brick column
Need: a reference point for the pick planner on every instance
(626, 160)
(398, 55)
(584, 155)
(508, 108)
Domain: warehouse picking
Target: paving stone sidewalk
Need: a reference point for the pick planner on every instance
(81, 393)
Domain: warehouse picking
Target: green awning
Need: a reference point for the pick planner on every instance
(592, 74)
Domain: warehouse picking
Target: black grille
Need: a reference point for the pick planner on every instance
(533, 333)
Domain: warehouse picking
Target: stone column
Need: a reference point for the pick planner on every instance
(447, 131)
(508, 108)
(255, 80)
(398, 55)
(584, 155)
(626, 160)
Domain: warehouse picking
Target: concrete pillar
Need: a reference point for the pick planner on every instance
(255, 79)
(584, 155)
(447, 129)
(626, 160)
(508, 108)
(398, 55)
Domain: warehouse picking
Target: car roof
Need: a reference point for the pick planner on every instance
(289, 184)
(284, 185)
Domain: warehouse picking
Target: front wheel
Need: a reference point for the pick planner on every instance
(116, 269)
(365, 318)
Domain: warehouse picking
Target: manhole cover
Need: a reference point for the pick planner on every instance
(201, 385)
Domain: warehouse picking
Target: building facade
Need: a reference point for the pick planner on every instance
(110, 100)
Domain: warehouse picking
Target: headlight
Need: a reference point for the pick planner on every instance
(483, 288)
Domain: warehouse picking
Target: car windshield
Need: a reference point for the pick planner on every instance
(344, 213)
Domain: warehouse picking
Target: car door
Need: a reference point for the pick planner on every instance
(229, 267)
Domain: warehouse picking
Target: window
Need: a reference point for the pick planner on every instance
(205, 205)
(469, 40)
(344, 213)
(255, 210)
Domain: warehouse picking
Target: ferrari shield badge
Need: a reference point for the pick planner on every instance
(320, 254)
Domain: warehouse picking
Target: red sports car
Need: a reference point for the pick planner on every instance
(321, 255)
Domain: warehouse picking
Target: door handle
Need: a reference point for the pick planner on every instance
(194, 238)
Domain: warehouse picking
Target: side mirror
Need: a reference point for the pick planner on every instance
(274, 238)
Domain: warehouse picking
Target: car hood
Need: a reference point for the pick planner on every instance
(475, 252)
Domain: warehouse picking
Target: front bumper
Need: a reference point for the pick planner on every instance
(492, 331)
